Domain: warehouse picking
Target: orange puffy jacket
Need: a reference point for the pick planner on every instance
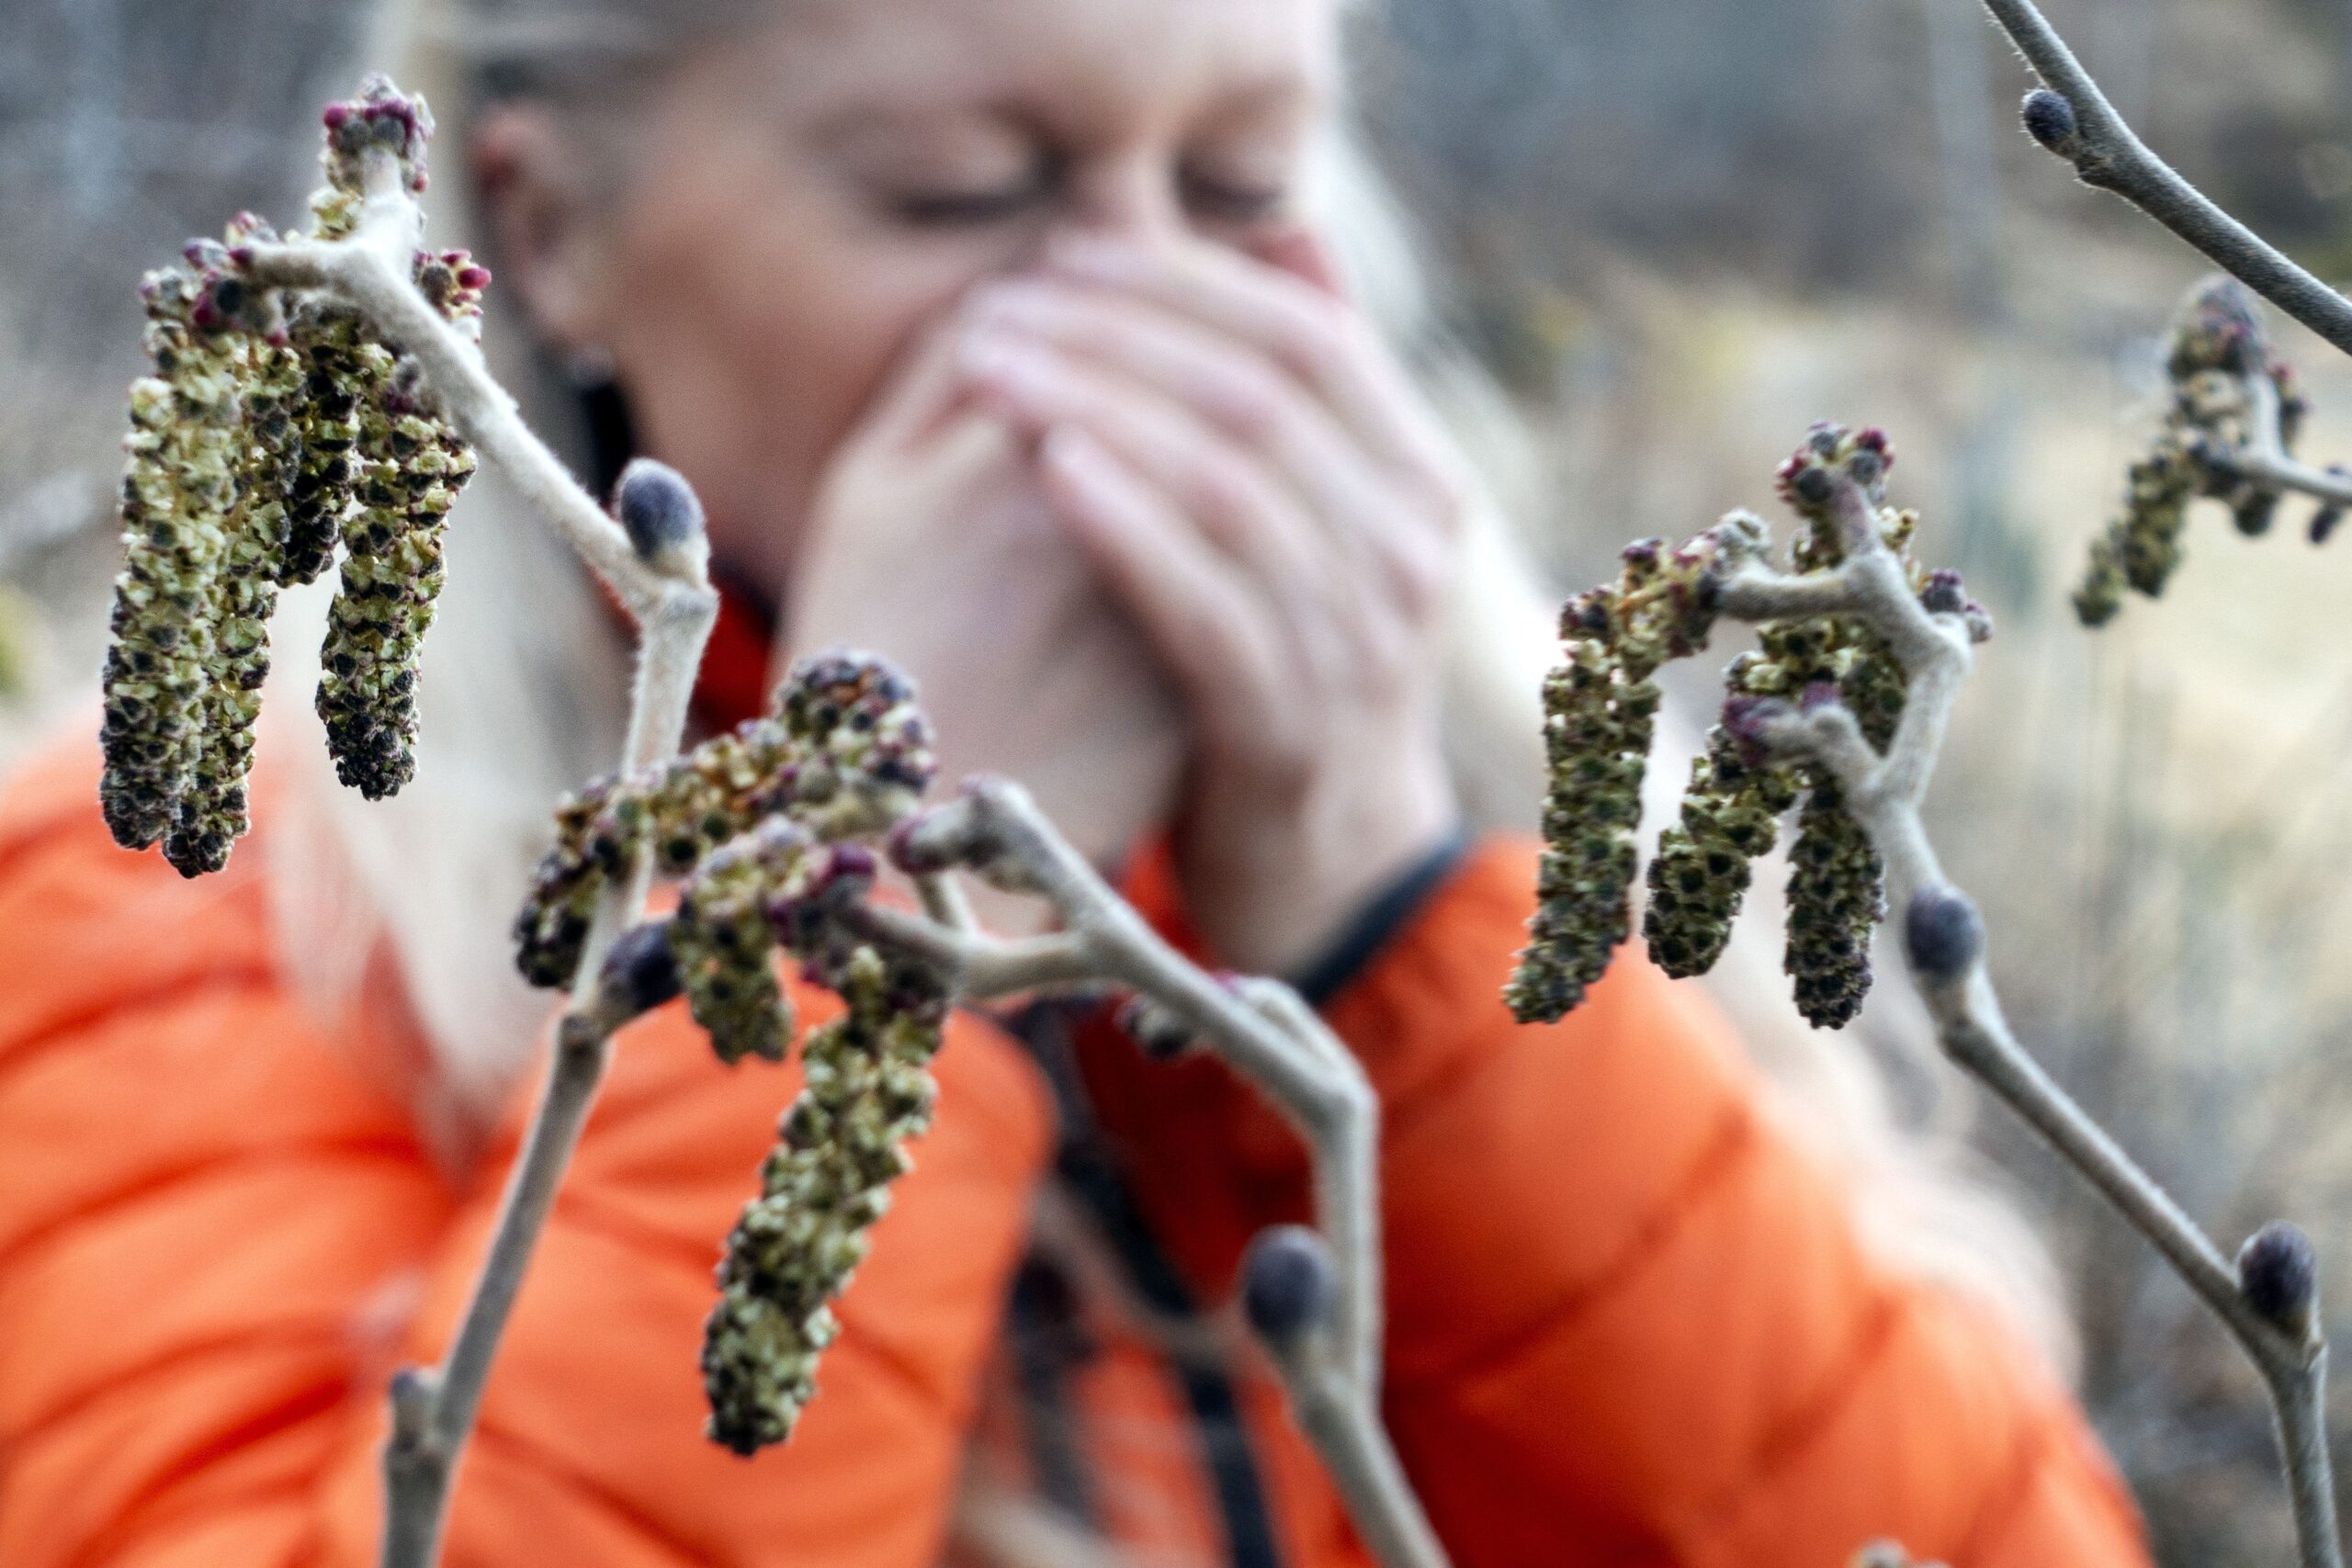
(1628, 1323)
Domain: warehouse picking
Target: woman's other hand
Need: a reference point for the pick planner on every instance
(932, 543)
(1264, 493)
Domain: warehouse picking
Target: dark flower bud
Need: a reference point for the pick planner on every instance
(1942, 933)
(2049, 119)
(2279, 1272)
(658, 507)
(1747, 720)
(1288, 1283)
(640, 971)
(1812, 487)
(1944, 594)
(1156, 1032)
(2255, 513)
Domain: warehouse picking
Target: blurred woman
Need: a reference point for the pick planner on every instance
(1012, 339)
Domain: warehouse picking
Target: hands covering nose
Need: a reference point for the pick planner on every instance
(1254, 482)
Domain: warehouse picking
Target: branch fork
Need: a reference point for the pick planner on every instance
(2268, 1300)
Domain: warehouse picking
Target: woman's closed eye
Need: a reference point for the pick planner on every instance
(1222, 199)
(960, 203)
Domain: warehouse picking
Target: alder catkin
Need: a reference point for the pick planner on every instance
(276, 429)
(1601, 706)
(177, 492)
(2217, 347)
(868, 1089)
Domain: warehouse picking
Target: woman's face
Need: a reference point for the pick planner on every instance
(798, 204)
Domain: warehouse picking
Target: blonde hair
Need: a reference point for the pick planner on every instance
(519, 707)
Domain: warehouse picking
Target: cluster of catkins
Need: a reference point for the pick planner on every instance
(1599, 708)
(770, 827)
(2217, 348)
(272, 431)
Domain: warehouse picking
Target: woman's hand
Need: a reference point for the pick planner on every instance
(933, 544)
(1262, 491)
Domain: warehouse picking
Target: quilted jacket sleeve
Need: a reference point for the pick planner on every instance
(217, 1239)
(1629, 1322)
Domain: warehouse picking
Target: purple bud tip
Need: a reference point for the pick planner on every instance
(1288, 1285)
(2049, 118)
(475, 276)
(1873, 439)
(335, 115)
(640, 968)
(658, 507)
(1942, 933)
(1745, 719)
(909, 856)
(1945, 593)
(853, 862)
(1643, 552)
(2279, 1272)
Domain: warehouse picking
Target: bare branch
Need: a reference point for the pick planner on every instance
(2082, 127)
(370, 272)
(1945, 939)
(666, 587)
(1262, 1029)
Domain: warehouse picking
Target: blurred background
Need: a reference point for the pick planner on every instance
(1678, 231)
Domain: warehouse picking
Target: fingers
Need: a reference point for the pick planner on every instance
(925, 388)
(1207, 485)
(1316, 338)
(1193, 605)
(1366, 520)
(1240, 394)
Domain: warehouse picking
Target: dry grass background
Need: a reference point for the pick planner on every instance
(1682, 230)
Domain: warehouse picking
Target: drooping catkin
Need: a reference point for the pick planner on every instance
(2217, 350)
(771, 827)
(407, 471)
(274, 429)
(1699, 877)
(1599, 707)
(868, 1089)
(1837, 893)
(724, 946)
(211, 814)
(177, 492)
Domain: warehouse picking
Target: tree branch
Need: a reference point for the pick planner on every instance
(661, 578)
(1944, 937)
(1262, 1029)
(2085, 129)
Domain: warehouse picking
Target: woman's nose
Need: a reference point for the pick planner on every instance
(1130, 198)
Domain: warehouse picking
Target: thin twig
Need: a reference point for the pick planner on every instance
(2263, 459)
(1945, 938)
(667, 590)
(1260, 1029)
(2106, 154)
(370, 272)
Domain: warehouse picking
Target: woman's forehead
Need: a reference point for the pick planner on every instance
(845, 56)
